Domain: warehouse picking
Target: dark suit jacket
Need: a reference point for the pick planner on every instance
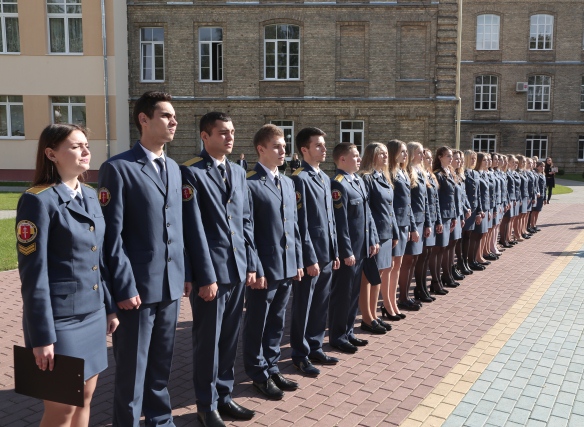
(143, 247)
(420, 207)
(381, 203)
(402, 202)
(242, 163)
(446, 195)
(472, 187)
(433, 204)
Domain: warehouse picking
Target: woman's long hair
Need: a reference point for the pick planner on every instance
(459, 172)
(372, 152)
(468, 159)
(437, 164)
(429, 169)
(393, 149)
(480, 157)
(51, 137)
(410, 168)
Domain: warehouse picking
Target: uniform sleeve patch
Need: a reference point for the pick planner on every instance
(336, 195)
(27, 250)
(104, 196)
(250, 174)
(26, 231)
(297, 171)
(187, 192)
(298, 197)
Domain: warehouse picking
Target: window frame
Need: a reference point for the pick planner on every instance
(3, 16)
(352, 132)
(532, 96)
(210, 43)
(69, 104)
(5, 102)
(153, 44)
(529, 151)
(488, 94)
(276, 43)
(580, 157)
(65, 16)
(535, 37)
(288, 130)
(491, 33)
(481, 139)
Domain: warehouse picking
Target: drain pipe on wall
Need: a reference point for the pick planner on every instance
(105, 81)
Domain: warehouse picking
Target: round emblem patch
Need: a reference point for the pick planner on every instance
(26, 231)
(104, 196)
(336, 195)
(298, 196)
(187, 192)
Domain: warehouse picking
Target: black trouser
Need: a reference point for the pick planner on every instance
(549, 189)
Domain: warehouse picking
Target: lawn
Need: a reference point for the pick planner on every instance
(560, 189)
(571, 177)
(8, 201)
(7, 244)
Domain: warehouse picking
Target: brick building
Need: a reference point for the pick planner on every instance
(362, 71)
(522, 78)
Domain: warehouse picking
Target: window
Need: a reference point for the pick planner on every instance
(68, 109)
(65, 27)
(282, 52)
(11, 116)
(536, 145)
(484, 143)
(541, 32)
(352, 131)
(582, 95)
(581, 148)
(152, 54)
(538, 93)
(486, 92)
(287, 127)
(9, 35)
(211, 54)
(488, 32)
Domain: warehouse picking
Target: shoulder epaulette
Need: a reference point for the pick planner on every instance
(192, 161)
(88, 186)
(339, 177)
(250, 174)
(297, 171)
(38, 189)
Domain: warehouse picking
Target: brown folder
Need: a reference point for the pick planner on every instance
(64, 384)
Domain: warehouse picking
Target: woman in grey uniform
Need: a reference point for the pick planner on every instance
(539, 169)
(67, 306)
(471, 240)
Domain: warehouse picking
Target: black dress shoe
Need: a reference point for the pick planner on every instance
(456, 274)
(236, 411)
(466, 269)
(307, 368)
(513, 242)
(358, 342)
(284, 383)
(491, 257)
(345, 347)
(526, 236)
(408, 305)
(401, 315)
(507, 245)
(322, 358)
(210, 419)
(269, 389)
(386, 314)
(386, 325)
(476, 266)
(421, 295)
(374, 328)
(437, 289)
(449, 283)
(485, 263)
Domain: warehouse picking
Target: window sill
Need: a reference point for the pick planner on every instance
(281, 80)
(19, 138)
(10, 53)
(211, 81)
(65, 53)
(151, 81)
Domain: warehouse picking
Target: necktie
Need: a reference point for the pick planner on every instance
(277, 182)
(80, 201)
(162, 171)
(224, 176)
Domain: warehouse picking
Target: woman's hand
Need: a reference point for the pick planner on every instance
(112, 323)
(44, 357)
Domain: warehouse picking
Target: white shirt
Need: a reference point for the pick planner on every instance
(271, 174)
(152, 157)
(74, 193)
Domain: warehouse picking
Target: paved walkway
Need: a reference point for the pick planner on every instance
(479, 355)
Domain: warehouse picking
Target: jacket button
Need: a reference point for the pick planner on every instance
(169, 241)
(169, 259)
(94, 268)
(286, 233)
(229, 201)
(234, 249)
(95, 287)
(233, 233)
(165, 206)
(91, 228)
(283, 206)
(94, 248)
(286, 246)
(168, 224)
(229, 217)
(284, 219)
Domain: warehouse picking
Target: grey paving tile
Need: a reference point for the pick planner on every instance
(578, 408)
(569, 386)
(566, 398)
(561, 410)
(576, 420)
(500, 384)
(464, 409)
(519, 416)
(552, 389)
(485, 407)
(481, 385)
(476, 420)
(454, 421)
(524, 402)
(498, 417)
(546, 400)
(535, 423)
(557, 422)
(541, 413)
(493, 395)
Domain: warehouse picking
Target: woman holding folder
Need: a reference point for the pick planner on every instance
(67, 308)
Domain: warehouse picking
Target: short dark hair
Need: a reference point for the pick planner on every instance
(147, 104)
(303, 137)
(207, 122)
(342, 149)
(265, 134)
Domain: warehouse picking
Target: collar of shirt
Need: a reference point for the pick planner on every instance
(152, 157)
(271, 174)
(219, 162)
(74, 193)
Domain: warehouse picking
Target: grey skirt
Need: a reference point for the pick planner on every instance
(457, 231)
(443, 238)
(415, 248)
(431, 239)
(384, 256)
(402, 240)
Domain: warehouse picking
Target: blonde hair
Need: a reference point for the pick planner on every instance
(372, 152)
(411, 170)
(429, 169)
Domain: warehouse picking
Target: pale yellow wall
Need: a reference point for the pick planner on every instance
(37, 115)
(95, 109)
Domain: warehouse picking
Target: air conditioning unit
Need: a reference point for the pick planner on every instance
(521, 87)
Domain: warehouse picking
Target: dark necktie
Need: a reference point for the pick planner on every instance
(162, 171)
(80, 201)
(223, 172)
(277, 182)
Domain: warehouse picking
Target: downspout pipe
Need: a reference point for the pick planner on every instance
(105, 80)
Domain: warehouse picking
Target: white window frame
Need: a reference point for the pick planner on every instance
(541, 27)
(277, 42)
(65, 16)
(3, 16)
(539, 92)
(70, 105)
(479, 141)
(287, 127)
(581, 148)
(8, 104)
(486, 92)
(215, 55)
(153, 45)
(488, 33)
(352, 132)
(530, 151)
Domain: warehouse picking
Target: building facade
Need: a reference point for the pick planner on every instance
(522, 79)
(362, 71)
(53, 69)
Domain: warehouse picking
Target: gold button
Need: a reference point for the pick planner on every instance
(286, 246)
(229, 217)
(95, 287)
(284, 219)
(234, 249)
(94, 267)
(229, 201)
(91, 228)
(94, 248)
(233, 233)
(283, 206)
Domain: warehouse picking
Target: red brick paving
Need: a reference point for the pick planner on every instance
(380, 385)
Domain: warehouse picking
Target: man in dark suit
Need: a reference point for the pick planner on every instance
(140, 195)
(316, 223)
(242, 162)
(221, 253)
(357, 239)
(279, 249)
